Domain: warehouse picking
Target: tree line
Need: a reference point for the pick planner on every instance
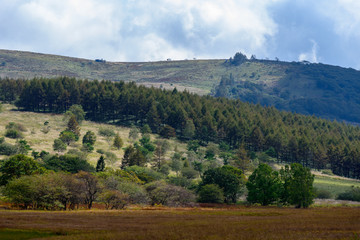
(289, 137)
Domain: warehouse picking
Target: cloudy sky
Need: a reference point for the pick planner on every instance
(326, 31)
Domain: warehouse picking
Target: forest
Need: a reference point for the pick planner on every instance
(290, 138)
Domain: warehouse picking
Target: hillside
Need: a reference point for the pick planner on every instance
(313, 89)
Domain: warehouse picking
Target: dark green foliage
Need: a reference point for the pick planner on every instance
(229, 179)
(17, 166)
(89, 138)
(145, 129)
(322, 194)
(352, 195)
(8, 149)
(263, 186)
(193, 145)
(211, 193)
(145, 174)
(180, 181)
(76, 111)
(73, 126)
(59, 145)
(23, 147)
(100, 165)
(297, 185)
(133, 156)
(307, 140)
(167, 132)
(67, 163)
(319, 89)
(189, 173)
(67, 137)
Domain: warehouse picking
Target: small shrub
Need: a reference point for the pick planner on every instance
(323, 194)
(106, 132)
(111, 157)
(13, 133)
(16, 126)
(100, 151)
(8, 149)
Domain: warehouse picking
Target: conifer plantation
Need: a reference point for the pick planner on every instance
(291, 138)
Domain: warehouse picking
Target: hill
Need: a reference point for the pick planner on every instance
(314, 89)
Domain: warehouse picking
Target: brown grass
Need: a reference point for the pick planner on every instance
(196, 223)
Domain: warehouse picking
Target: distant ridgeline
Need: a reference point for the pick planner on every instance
(308, 140)
(314, 89)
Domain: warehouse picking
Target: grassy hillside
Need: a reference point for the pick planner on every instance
(195, 75)
(323, 90)
(38, 140)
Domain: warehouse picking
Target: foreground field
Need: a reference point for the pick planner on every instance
(237, 223)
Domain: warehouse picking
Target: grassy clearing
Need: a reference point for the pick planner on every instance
(39, 141)
(334, 184)
(193, 223)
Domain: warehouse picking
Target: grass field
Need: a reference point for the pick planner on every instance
(196, 223)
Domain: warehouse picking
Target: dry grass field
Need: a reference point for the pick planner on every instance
(192, 223)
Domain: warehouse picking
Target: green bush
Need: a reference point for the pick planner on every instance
(8, 149)
(211, 193)
(17, 126)
(13, 133)
(145, 174)
(323, 194)
(351, 195)
(106, 132)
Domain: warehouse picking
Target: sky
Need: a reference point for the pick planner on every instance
(325, 31)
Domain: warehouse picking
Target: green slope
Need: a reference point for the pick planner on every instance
(323, 90)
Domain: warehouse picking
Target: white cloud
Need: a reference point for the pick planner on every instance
(137, 30)
(345, 16)
(310, 56)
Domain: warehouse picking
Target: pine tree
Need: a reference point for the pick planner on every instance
(100, 166)
(73, 126)
(118, 142)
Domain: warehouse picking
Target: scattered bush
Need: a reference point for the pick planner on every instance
(106, 132)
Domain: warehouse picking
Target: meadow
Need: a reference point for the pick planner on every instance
(184, 223)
